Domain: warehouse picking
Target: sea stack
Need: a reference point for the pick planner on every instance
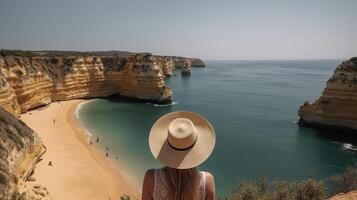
(166, 65)
(337, 106)
(186, 68)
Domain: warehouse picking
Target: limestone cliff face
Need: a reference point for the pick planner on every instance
(30, 82)
(337, 106)
(186, 67)
(185, 64)
(20, 149)
(345, 196)
(166, 65)
(196, 62)
(180, 62)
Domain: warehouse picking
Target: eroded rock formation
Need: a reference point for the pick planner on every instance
(196, 62)
(186, 68)
(166, 65)
(345, 196)
(20, 150)
(30, 82)
(337, 106)
(169, 63)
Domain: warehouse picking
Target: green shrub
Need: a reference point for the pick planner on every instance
(282, 190)
(3, 179)
(346, 181)
(279, 190)
(310, 190)
(18, 196)
(247, 191)
(6, 52)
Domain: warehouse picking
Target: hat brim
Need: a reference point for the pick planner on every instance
(163, 152)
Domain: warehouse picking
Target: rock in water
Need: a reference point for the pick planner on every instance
(186, 68)
(337, 106)
(166, 65)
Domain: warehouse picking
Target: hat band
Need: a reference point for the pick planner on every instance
(182, 149)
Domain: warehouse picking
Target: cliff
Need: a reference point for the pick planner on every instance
(337, 106)
(169, 63)
(27, 82)
(20, 150)
(345, 196)
(196, 62)
(166, 65)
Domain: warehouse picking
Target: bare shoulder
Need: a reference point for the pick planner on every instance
(208, 176)
(209, 186)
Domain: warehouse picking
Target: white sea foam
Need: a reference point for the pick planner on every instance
(350, 147)
(163, 105)
(79, 107)
(88, 133)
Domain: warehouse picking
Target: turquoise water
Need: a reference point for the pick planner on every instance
(253, 106)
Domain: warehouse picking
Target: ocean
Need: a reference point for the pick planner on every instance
(253, 107)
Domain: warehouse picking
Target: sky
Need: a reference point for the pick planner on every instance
(211, 30)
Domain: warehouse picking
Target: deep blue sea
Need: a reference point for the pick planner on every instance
(253, 106)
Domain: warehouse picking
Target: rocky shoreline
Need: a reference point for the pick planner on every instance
(336, 109)
(32, 79)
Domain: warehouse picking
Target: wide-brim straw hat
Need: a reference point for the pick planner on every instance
(182, 140)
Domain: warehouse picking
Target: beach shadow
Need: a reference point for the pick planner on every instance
(117, 98)
(341, 137)
(333, 135)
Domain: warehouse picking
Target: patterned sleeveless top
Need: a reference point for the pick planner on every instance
(160, 192)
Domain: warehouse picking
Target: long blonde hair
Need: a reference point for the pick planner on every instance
(183, 184)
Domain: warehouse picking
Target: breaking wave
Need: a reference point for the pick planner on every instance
(350, 147)
(163, 105)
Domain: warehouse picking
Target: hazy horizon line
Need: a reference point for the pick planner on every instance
(202, 58)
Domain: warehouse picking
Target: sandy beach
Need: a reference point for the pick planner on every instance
(79, 170)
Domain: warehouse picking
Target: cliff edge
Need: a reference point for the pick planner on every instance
(20, 150)
(337, 106)
(27, 82)
(345, 196)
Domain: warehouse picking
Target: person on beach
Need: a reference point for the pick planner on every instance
(181, 141)
(97, 140)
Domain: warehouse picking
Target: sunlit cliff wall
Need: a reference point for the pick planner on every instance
(30, 82)
(337, 106)
(20, 149)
